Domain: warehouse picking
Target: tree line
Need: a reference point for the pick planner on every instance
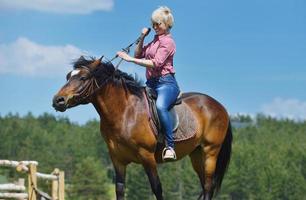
(268, 159)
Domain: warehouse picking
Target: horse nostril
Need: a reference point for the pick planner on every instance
(59, 101)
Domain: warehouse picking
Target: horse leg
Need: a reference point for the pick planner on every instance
(150, 167)
(120, 171)
(204, 163)
(196, 158)
(210, 161)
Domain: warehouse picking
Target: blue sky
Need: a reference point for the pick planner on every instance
(249, 55)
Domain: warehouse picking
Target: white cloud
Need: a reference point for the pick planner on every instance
(285, 108)
(31, 59)
(58, 6)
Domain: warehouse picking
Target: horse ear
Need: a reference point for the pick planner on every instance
(101, 58)
(96, 63)
(81, 58)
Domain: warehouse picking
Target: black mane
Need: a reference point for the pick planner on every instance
(105, 73)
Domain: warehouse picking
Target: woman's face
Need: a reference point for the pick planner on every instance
(159, 27)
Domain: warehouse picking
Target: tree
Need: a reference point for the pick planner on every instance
(90, 181)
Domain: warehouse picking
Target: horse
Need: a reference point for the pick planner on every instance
(120, 102)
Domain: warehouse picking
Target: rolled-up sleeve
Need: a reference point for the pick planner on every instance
(165, 49)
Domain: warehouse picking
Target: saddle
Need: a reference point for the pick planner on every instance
(184, 123)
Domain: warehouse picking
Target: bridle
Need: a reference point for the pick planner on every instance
(89, 89)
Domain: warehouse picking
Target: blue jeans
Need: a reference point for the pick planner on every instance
(167, 91)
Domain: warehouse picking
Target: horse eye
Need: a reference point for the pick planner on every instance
(83, 78)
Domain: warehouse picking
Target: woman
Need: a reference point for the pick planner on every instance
(157, 57)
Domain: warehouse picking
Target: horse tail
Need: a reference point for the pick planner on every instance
(223, 160)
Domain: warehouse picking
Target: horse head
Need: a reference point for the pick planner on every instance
(86, 77)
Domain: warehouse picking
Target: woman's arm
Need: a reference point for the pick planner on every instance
(141, 62)
(139, 46)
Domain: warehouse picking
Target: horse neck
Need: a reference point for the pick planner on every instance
(111, 102)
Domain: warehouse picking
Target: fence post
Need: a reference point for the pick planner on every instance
(61, 185)
(55, 185)
(32, 182)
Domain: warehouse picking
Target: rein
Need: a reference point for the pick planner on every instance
(127, 49)
(92, 86)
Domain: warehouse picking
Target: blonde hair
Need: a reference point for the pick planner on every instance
(163, 15)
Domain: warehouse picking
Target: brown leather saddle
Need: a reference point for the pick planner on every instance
(184, 123)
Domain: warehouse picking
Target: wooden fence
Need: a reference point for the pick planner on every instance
(18, 191)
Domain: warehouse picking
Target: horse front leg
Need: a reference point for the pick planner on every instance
(150, 166)
(120, 171)
(155, 182)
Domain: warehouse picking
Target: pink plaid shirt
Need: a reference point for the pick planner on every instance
(161, 51)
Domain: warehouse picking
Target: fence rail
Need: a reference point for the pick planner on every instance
(30, 167)
(14, 195)
(12, 187)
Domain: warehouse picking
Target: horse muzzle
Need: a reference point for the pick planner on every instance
(59, 103)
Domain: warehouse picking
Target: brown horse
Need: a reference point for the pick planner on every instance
(119, 100)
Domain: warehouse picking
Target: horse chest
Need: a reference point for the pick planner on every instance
(121, 151)
(120, 145)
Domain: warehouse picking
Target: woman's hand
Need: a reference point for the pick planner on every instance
(125, 56)
(145, 31)
(141, 62)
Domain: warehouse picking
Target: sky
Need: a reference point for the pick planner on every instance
(249, 55)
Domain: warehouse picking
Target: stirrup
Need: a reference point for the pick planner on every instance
(166, 157)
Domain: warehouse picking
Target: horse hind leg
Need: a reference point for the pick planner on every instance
(197, 161)
(217, 156)
(204, 163)
(210, 161)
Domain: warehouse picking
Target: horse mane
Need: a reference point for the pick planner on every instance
(106, 72)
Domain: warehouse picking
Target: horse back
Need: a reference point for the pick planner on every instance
(212, 117)
(206, 103)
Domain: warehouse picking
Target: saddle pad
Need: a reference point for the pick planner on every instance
(187, 123)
